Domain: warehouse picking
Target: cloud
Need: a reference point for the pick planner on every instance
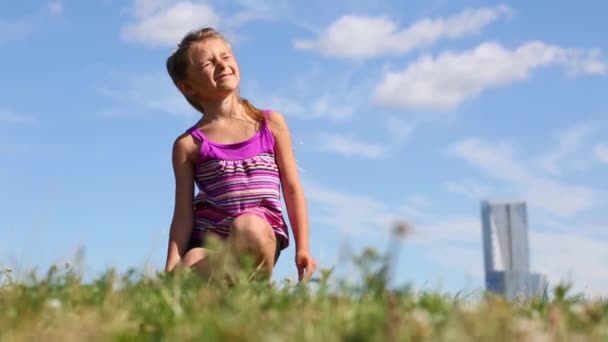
(360, 37)
(560, 254)
(445, 82)
(497, 160)
(349, 146)
(17, 28)
(151, 92)
(469, 188)
(352, 214)
(569, 141)
(451, 230)
(563, 200)
(568, 256)
(557, 252)
(601, 152)
(254, 10)
(399, 130)
(157, 24)
(144, 8)
(163, 23)
(312, 95)
(312, 108)
(356, 214)
(55, 8)
(9, 117)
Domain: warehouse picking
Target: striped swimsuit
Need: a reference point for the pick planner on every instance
(236, 179)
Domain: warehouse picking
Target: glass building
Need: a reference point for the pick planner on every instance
(507, 251)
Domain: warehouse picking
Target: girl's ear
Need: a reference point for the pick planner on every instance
(186, 88)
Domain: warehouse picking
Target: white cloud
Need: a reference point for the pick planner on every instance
(55, 7)
(469, 188)
(10, 117)
(456, 230)
(466, 259)
(21, 27)
(497, 160)
(323, 107)
(349, 213)
(494, 158)
(16, 28)
(398, 129)
(563, 255)
(313, 95)
(253, 10)
(164, 22)
(445, 82)
(355, 213)
(569, 256)
(569, 141)
(563, 200)
(157, 25)
(587, 62)
(285, 105)
(366, 37)
(313, 108)
(349, 146)
(601, 152)
(144, 8)
(150, 92)
(558, 253)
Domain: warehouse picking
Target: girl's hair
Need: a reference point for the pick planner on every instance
(178, 62)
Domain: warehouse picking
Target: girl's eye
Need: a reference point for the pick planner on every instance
(227, 57)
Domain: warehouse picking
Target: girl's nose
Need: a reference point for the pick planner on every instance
(221, 65)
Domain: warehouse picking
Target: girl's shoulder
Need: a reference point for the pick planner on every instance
(185, 144)
(277, 123)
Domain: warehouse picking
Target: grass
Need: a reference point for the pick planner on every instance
(182, 307)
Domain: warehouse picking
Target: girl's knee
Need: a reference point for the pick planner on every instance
(252, 235)
(252, 230)
(193, 256)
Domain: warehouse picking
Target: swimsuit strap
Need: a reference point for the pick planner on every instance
(196, 133)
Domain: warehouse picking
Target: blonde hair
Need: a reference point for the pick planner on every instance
(179, 60)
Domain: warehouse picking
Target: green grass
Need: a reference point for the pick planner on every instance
(182, 307)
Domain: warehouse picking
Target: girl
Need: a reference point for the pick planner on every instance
(240, 158)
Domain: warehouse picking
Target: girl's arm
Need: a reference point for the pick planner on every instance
(183, 218)
(293, 194)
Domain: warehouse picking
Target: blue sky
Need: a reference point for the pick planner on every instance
(398, 110)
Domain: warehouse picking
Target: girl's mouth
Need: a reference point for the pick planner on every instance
(223, 76)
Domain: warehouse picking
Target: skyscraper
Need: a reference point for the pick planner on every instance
(507, 251)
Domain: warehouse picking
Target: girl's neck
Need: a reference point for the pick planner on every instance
(228, 107)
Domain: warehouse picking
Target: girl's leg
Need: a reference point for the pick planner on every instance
(252, 236)
(198, 258)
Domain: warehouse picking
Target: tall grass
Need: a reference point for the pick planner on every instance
(59, 306)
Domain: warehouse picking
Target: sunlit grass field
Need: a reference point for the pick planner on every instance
(59, 306)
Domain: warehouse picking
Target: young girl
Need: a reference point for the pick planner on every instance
(240, 158)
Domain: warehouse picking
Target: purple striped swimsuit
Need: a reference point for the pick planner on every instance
(236, 179)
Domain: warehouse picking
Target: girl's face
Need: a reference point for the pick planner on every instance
(213, 73)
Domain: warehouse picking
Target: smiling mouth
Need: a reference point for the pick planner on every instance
(223, 76)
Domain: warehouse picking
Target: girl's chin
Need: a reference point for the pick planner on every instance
(227, 86)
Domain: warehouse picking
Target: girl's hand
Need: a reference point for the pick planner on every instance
(306, 265)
